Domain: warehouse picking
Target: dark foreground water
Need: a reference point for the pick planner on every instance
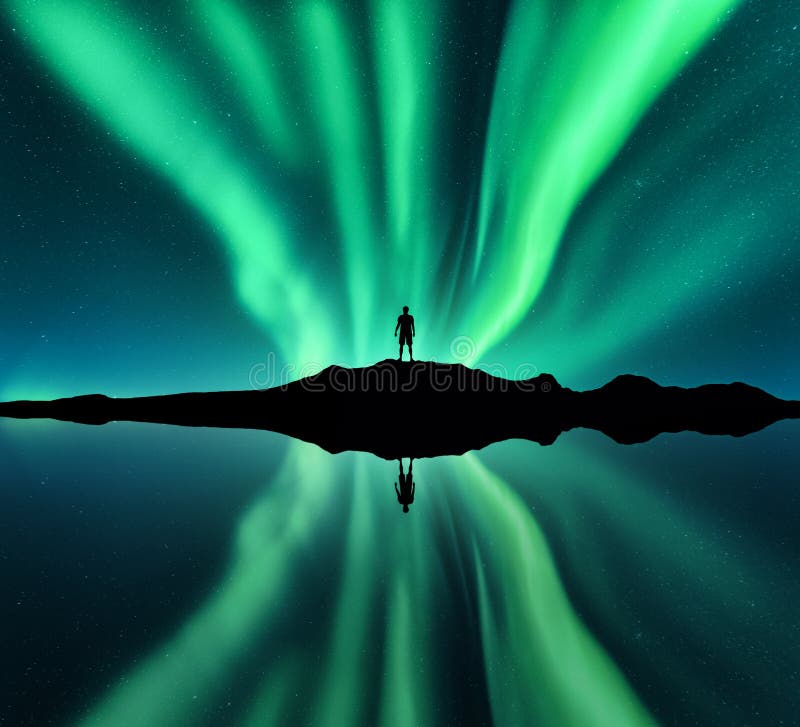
(154, 575)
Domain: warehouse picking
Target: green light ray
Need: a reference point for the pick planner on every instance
(543, 664)
(698, 562)
(179, 680)
(138, 93)
(398, 698)
(341, 699)
(405, 49)
(254, 63)
(599, 315)
(408, 688)
(335, 89)
(589, 105)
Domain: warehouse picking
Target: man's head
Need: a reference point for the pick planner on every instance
(405, 508)
(405, 309)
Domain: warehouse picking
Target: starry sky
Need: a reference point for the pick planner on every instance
(193, 190)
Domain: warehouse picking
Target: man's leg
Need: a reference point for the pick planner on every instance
(410, 354)
(400, 357)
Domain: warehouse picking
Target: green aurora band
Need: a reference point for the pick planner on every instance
(550, 135)
(326, 101)
(564, 128)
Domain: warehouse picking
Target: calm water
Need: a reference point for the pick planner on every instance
(161, 575)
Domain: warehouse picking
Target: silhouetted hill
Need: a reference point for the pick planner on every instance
(425, 409)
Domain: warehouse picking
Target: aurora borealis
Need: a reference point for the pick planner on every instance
(579, 188)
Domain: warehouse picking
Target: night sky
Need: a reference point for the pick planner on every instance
(190, 191)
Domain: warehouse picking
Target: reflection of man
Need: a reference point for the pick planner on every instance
(405, 323)
(405, 495)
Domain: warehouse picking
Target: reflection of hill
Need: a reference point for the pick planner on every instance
(424, 409)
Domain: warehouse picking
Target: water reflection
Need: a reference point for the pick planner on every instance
(522, 622)
(578, 584)
(405, 492)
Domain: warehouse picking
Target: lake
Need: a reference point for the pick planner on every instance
(178, 576)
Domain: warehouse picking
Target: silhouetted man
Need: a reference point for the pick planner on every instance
(405, 323)
(405, 495)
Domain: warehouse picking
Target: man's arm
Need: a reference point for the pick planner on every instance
(413, 330)
(397, 326)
